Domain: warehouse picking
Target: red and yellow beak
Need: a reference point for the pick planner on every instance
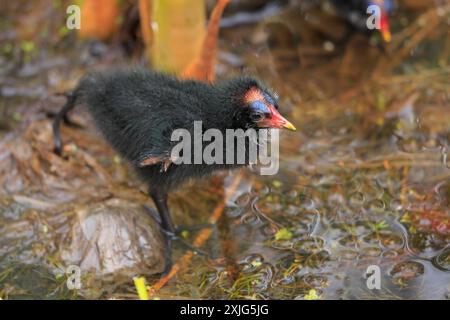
(384, 27)
(276, 121)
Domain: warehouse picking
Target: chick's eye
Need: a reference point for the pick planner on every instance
(257, 116)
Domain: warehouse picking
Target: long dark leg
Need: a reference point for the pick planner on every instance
(62, 115)
(160, 200)
(168, 228)
(166, 222)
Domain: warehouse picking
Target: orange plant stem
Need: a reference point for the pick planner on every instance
(144, 15)
(202, 68)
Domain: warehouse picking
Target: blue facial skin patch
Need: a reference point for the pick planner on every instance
(260, 107)
(270, 100)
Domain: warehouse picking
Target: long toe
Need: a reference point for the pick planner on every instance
(189, 246)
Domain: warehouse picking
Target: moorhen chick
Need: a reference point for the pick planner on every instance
(138, 110)
(355, 12)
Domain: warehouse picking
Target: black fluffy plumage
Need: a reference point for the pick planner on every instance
(136, 111)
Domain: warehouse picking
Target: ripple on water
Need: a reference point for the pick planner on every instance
(309, 245)
(347, 255)
(426, 242)
(251, 219)
(234, 212)
(376, 206)
(315, 280)
(390, 254)
(407, 270)
(251, 263)
(356, 200)
(371, 252)
(269, 230)
(442, 260)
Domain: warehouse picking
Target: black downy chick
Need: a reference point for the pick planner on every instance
(137, 111)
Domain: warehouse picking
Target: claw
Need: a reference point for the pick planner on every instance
(171, 236)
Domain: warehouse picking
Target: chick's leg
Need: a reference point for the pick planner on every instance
(160, 200)
(168, 228)
(62, 115)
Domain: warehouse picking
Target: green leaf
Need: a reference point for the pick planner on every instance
(312, 295)
(283, 234)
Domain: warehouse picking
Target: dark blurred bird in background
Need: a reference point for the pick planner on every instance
(355, 12)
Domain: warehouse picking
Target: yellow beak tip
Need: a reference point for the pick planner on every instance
(387, 36)
(290, 126)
